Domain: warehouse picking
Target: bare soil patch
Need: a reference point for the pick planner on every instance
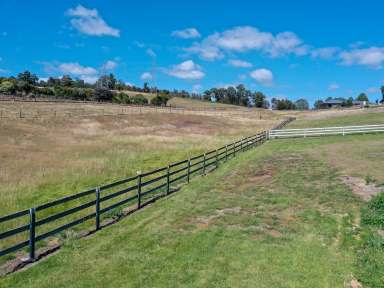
(360, 188)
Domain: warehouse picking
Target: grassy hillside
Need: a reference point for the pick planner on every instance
(276, 216)
(338, 118)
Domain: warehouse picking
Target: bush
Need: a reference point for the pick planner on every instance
(102, 94)
(139, 99)
(160, 100)
(121, 98)
(373, 214)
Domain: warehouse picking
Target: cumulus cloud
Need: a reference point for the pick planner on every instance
(325, 52)
(86, 73)
(186, 70)
(88, 21)
(109, 65)
(75, 68)
(333, 86)
(239, 63)
(245, 38)
(188, 33)
(146, 76)
(372, 57)
(263, 76)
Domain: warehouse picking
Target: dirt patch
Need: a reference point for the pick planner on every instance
(204, 222)
(360, 188)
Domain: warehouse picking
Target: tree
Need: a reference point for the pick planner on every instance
(318, 104)
(349, 102)
(302, 104)
(7, 87)
(259, 99)
(102, 94)
(139, 99)
(28, 77)
(382, 93)
(160, 100)
(66, 81)
(362, 97)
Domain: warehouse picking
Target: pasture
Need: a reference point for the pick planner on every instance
(291, 213)
(277, 216)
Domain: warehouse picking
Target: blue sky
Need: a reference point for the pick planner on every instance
(288, 49)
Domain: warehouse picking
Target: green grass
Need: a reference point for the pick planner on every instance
(273, 217)
(340, 119)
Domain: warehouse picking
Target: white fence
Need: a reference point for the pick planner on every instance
(310, 132)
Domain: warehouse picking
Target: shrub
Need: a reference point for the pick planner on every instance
(102, 94)
(373, 214)
(121, 98)
(160, 100)
(139, 99)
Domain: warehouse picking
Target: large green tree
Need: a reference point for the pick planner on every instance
(302, 104)
(362, 97)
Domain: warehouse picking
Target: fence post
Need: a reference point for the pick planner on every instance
(189, 170)
(217, 159)
(234, 149)
(32, 229)
(241, 145)
(167, 192)
(138, 189)
(343, 132)
(20, 116)
(204, 165)
(226, 153)
(97, 208)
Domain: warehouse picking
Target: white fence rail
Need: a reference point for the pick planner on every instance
(312, 132)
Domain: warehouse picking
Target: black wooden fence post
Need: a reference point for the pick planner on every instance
(189, 170)
(226, 153)
(32, 229)
(139, 190)
(97, 208)
(167, 192)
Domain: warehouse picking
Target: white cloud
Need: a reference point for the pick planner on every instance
(239, 63)
(151, 53)
(89, 79)
(74, 68)
(245, 38)
(146, 76)
(88, 21)
(109, 65)
(188, 33)
(86, 73)
(186, 70)
(372, 57)
(263, 76)
(325, 52)
(333, 86)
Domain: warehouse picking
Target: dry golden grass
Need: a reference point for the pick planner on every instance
(48, 157)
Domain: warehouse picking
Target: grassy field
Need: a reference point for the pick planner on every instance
(47, 157)
(276, 216)
(338, 118)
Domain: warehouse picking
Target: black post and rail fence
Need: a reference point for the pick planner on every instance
(134, 191)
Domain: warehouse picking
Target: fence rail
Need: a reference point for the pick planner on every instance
(315, 132)
(137, 190)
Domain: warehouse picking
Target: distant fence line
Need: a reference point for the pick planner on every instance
(121, 109)
(136, 190)
(316, 132)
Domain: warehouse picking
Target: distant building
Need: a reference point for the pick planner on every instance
(361, 104)
(328, 104)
